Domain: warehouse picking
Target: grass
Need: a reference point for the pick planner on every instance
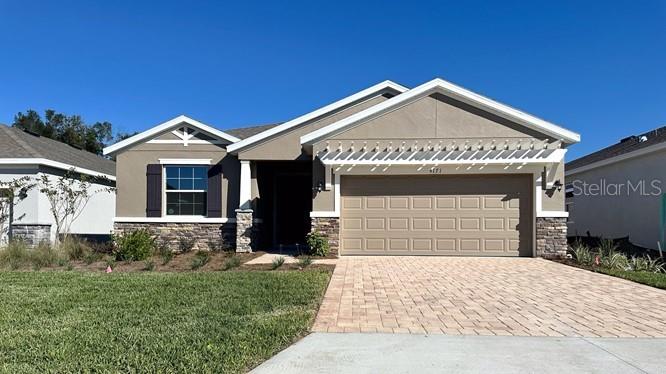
(152, 322)
(657, 280)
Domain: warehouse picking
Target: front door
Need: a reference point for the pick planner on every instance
(293, 203)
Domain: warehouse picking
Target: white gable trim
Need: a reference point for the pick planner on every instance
(234, 148)
(451, 90)
(55, 165)
(625, 156)
(166, 126)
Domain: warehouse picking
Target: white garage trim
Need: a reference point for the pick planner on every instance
(336, 202)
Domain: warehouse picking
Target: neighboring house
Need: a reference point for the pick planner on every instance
(618, 191)
(25, 154)
(432, 170)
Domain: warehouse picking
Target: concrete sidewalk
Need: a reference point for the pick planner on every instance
(407, 353)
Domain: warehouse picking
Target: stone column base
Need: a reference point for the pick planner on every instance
(551, 237)
(330, 228)
(206, 236)
(32, 235)
(244, 230)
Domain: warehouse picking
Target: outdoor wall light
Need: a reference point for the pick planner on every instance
(558, 184)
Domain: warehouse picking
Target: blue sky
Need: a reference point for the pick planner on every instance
(595, 68)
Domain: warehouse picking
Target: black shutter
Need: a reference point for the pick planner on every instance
(214, 196)
(154, 190)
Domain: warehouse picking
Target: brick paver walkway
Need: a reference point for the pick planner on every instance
(486, 296)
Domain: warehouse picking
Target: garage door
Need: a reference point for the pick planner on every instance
(486, 215)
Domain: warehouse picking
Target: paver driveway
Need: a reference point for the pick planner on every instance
(486, 296)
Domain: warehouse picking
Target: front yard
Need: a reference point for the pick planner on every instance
(152, 322)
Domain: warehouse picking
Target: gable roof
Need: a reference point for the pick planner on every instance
(366, 93)
(21, 147)
(246, 132)
(438, 85)
(165, 126)
(631, 146)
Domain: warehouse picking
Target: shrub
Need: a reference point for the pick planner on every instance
(44, 255)
(581, 253)
(200, 259)
(317, 243)
(75, 248)
(645, 264)
(101, 247)
(186, 244)
(304, 261)
(231, 262)
(166, 254)
(92, 257)
(148, 265)
(277, 262)
(607, 247)
(15, 255)
(110, 261)
(614, 260)
(135, 245)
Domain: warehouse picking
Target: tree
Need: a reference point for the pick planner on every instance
(71, 129)
(11, 193)
(124, 135)
(68, 196)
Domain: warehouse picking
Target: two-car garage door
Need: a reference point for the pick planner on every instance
(436, 215)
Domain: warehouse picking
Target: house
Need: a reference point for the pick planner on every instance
(431, 170)
(24, 154)
(618, 191)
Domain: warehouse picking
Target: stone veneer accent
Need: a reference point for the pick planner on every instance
(330, 228)
(208, 236)
(244, 230)
(32, 235)
(551, 237)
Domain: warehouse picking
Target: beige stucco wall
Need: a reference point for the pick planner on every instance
(287, 145)
(322, 200)
(627, 214)
(131, 174)
(436, 118)
(552, 199)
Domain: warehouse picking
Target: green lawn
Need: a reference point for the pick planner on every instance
(651, 279)
(152, 322)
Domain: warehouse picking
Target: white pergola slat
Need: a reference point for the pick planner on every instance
(441, 157)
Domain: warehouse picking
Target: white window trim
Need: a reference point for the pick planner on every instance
(185, 161)
(174, 219)
(164, 196)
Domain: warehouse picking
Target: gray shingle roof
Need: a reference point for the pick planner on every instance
(246, 132)
(16, 143)
(626, 145)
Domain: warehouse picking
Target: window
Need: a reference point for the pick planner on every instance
(186, 188)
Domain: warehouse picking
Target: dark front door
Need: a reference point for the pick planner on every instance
(293, 203)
